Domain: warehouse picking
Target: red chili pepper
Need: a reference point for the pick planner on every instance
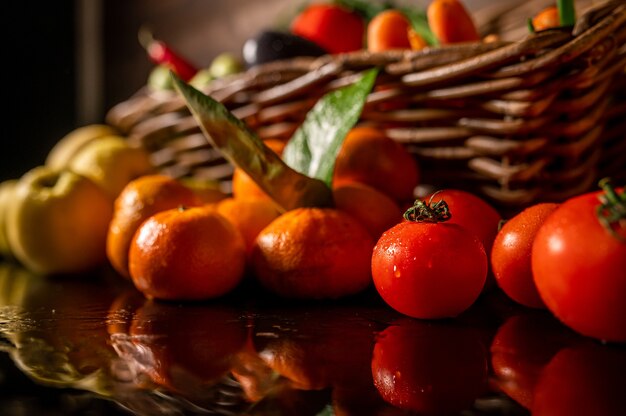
(161, 54)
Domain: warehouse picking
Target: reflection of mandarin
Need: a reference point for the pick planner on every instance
(294, 361)
(256, 378)
(187, 254)
(244, 187)
(189, 346)
(370, 157)
(313, 253)
(140, 199)
(248, 216)
(319, 347)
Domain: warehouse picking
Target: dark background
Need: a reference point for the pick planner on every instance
(39, 74)
(42, 58)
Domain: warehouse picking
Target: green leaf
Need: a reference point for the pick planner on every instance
(365, 8)
(419, 22)
(239, 145)
(314, 146)
(567, 12)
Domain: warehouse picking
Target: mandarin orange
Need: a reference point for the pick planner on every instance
(314, 253)
(244, 187)
(187, 254)
(248, 216)
(372, 208)
(140, 199)
(388, 30)
(369, 156)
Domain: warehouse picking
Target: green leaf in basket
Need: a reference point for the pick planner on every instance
(365, 8)
(419, 22)
(567, 12)
(289, 188)
(314, 146)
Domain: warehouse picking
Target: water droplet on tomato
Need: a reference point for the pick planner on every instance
(396, 272)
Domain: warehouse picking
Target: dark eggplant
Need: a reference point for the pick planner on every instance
(272, 45)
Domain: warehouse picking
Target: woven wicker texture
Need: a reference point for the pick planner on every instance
(540, 118)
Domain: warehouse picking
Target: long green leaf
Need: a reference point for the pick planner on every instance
(314, 146)
(287, 187)
(419, 22)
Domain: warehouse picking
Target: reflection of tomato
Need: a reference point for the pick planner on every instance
(583, 380)
(510, 255)
(578, 267)
(521, 348)
(429, 368)
(184, 348)
(429, 270)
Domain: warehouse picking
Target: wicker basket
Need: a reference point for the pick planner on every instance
(519, 122)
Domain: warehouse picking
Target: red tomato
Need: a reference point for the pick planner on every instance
(429, 368)
(582, 380)
(579, 268)
(429, 270)
(510, 255)
(332, 27)
(472, 213)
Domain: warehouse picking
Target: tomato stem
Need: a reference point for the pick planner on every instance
(612, 209)
(422, 211)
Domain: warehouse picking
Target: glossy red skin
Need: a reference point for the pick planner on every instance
(471, 212)
(427, 270)
(582, 380)
(520, 350)
(510, 255)
(332, 27)
(579, 269)
(429, 368)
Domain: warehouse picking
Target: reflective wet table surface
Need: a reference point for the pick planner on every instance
(94, 345)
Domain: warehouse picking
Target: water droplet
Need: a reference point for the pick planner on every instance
(396, 272)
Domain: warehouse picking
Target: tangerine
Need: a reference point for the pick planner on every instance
(388, 30)
(244, 187)
(187, 254)
(248, 216)
(372, 208)
(313, 253)
(140, 199)
(369, 156)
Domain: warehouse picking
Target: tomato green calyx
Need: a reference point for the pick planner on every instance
(430, 211)
(612, 209)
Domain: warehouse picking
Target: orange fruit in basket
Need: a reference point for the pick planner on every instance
(546, 19)
(248, 216)
(187, 254)
(451, 22)
(314, 253)
(243, 185)
(368, 156)
(388, 30)
(140, 199)
(372, 208)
